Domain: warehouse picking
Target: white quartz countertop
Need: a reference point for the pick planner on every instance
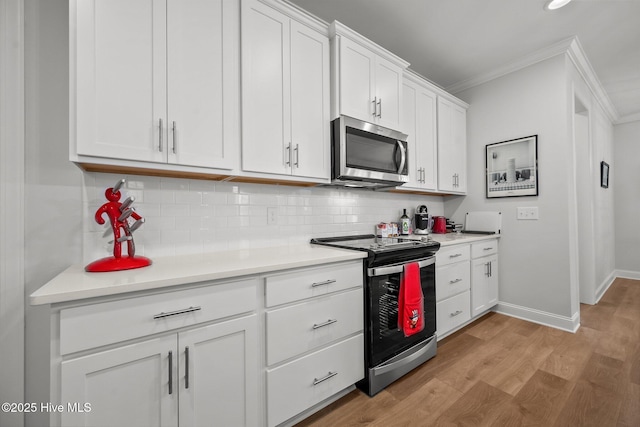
(75, 284)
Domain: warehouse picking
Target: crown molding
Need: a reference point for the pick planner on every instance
(628, 119)
(572, 48)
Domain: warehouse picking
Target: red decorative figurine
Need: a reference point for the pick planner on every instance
(119, 215)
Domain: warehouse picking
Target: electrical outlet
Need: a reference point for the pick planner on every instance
(529, 213)
(272, 216)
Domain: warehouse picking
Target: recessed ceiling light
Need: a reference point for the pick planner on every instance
(555, 4)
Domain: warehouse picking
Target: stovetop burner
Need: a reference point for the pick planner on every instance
(378, 247)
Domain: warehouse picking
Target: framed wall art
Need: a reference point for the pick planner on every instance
(512, 168)
(604, 174)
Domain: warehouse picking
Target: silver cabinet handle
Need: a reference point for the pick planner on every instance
(330, 374)
(451, 282)
(160, 136)
(170, 372)
(375, 107)
(288, 156)
(174, 130)
(326, 282)
(455, 255)
(296, 150)
(177, 312)
(186, 367)
(488, 268)
(488, 249)
(456, 313)
(380, 107)
(327, 323)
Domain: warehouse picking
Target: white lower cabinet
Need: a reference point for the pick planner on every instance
(466, 283)
(296, 386)
(484, 276)
(452, 288)
(199, 374)
(314, 339)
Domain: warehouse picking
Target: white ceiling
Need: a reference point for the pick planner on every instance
(452, 41)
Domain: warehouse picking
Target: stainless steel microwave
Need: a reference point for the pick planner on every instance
(367, 155)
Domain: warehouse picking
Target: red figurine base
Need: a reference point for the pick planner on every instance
(117, 264)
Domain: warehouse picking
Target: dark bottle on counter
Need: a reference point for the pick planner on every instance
(405, 224)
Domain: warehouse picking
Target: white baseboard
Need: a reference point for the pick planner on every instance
(569, 324)
(604, 286)
(627, 274)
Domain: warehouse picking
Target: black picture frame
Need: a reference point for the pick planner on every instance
(511, 168)
(604, 174)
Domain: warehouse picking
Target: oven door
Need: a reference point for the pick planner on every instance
(386, 340)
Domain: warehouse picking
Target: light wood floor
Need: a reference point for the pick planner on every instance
(502, 371)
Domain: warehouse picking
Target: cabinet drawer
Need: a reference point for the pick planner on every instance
(295, 329)
(99, 324)
(310, 282)
(298, 385)
(453, 312)
(484, 248)
(452, 279)
(452, 254)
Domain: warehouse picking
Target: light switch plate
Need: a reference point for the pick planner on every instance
(528, 213)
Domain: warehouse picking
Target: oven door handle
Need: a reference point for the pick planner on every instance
(394, 269)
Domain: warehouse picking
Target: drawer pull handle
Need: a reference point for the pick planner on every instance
(455, 255)
(327, 323)
(488, 249)
(451, 282)
(326, 282)
(175, 313)
(330, 374)
(456, 313)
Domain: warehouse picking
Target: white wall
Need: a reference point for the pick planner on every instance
(53, 196)
(535, 259)
(626, 182)
(11, 209)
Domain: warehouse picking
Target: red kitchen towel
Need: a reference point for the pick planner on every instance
(411, 301)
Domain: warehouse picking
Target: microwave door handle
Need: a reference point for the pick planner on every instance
(403, 156)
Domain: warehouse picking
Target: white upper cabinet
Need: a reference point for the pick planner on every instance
(452, 147)
(419, 123)
(367, 79)
(285, 94)
(155, 81)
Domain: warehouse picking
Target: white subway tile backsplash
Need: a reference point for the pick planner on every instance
(192, 216)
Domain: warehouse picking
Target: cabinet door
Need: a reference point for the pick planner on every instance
(218, 374)
(203, 47)
(484, 284)
(357, 66)
(266, 114)
(388, 93)
(126, 386)
(452, 150)
(118, 85)
(309, 102)
(419, 123)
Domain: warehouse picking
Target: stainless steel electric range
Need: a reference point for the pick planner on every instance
(389, 354)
